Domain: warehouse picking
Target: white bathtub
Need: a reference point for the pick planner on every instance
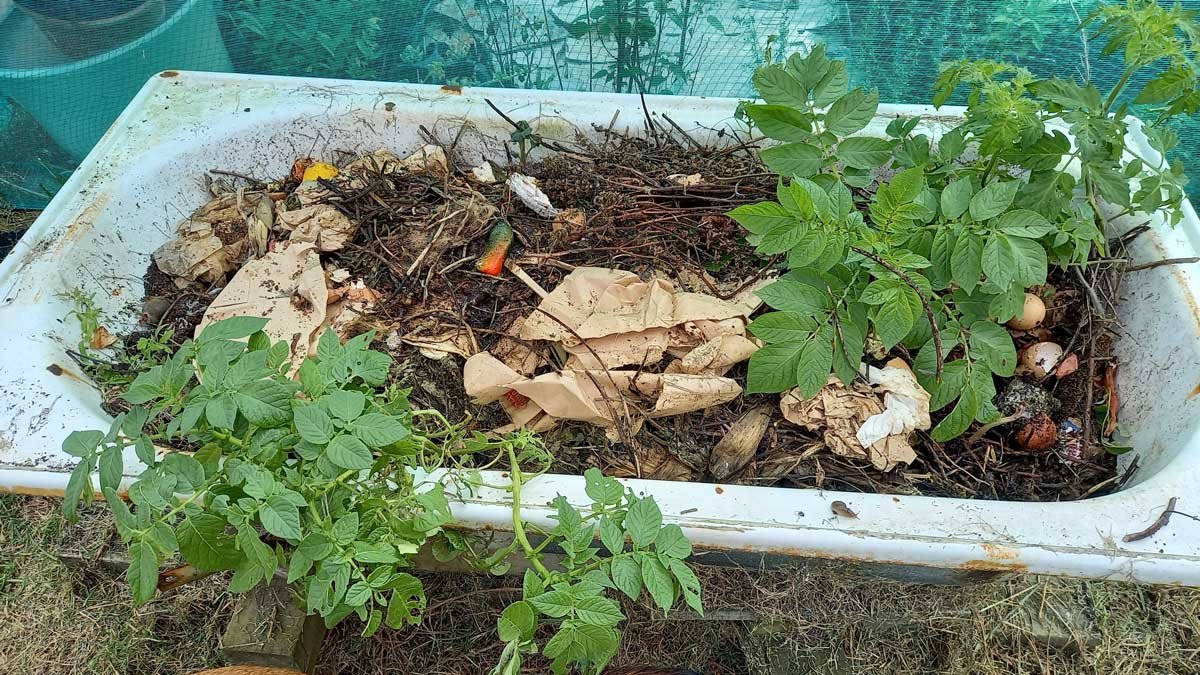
(144, 176)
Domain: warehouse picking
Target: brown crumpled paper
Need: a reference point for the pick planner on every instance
(605, 319)
(199, 252)
(287, 287)
(321, 224)
(857, 423)
(599, 397)
(609, 318)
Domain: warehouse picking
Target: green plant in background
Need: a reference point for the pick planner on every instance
(332, 478)
(328, 38)
(954, 239)
(642, 45)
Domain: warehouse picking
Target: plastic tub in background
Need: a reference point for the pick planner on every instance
(77, 100)
(143, 177)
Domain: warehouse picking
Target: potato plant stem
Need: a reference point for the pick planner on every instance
(519, 524)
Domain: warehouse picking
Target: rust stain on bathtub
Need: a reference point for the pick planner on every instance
(59, 371)
(991, 566)
(998, 552)
(86, 218)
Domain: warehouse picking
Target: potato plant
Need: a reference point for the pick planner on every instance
(325, 480)
(938, 254)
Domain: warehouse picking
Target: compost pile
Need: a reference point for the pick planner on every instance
(600, 295)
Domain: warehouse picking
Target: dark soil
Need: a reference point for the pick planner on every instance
(419, 237)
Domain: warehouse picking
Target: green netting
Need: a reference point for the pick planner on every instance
(69, 66)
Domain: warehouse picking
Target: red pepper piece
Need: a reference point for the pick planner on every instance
(492, 260)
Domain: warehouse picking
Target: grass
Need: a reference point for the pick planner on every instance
(60, 620)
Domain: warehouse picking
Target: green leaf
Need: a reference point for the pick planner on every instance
(345, 404)
(143, 447)
(204, 543)
(993, 344)
(762, 217)
(793, 159)
(642, 521)
(313, 424)
(1112, 185)
(265, 403)
(555, 604)
(185, 469)
(774, 327)
(358, 594)
(794, 296)
(1024, 223)
(627, 576)
(347, 452)
(611, 536)
(79, 486)
(780, 122)
(689, 584)
(602, 489)
(956, 197)
(658, 581)
(531, 584)
(894, 319)
(783, 238)
(111, 467)
(832, 86)
(1030, 261)
(959, 419)
(143, 572)
(966, 263)
(345, 529)
(378, 430)
(777, 86)
(221, 411)
(993, 200)
(232, 329)
(280, 518)
(815, 362)
(954, 376)
(864, 152)
(772, 369)
(517, 622)
(82, 443)
(312, 380)
(907, 185)
(851, 112)
(598, 611)
(1170, 84)
(1067, 94)
(671, 542)
(999, 260)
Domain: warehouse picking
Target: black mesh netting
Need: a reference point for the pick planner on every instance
(67, 67)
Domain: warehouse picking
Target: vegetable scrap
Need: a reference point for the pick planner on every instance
(496, 249)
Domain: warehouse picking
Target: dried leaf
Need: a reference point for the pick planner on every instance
(737, 447)
(102, 339)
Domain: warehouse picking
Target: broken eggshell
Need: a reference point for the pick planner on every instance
(1041, 358)
(1037, 433)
